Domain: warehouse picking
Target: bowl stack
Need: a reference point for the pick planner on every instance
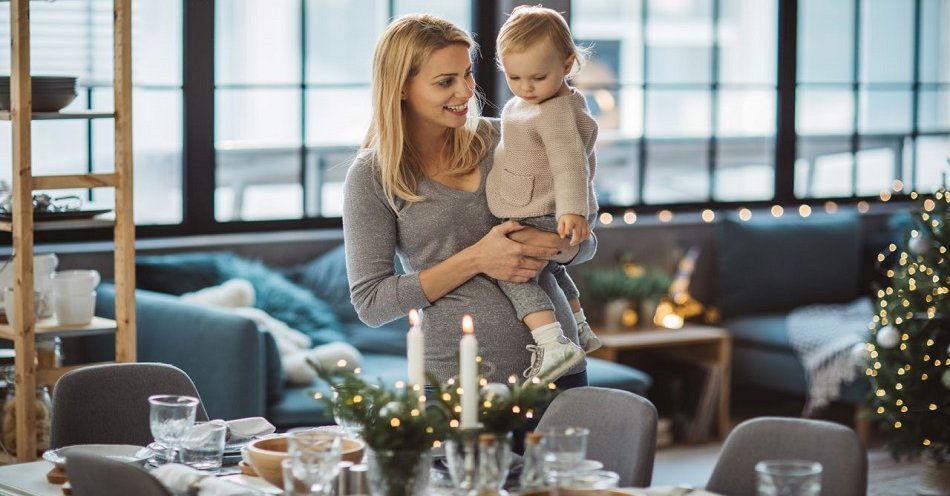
(50, 93)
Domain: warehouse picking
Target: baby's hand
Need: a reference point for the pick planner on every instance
(575, 226)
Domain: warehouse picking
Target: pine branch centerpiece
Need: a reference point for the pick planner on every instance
(908, 354)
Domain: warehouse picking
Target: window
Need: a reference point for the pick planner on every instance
(873, 107)
(74, 37)
(292, 99)
(684, 93)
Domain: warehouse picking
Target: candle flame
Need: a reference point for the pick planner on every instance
(467, 326)
(413, 317)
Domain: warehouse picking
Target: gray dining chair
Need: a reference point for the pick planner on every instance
(93, 475)
(108, 403)
(622, 429)
(838, 449)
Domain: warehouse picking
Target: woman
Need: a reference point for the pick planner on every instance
(417, 189)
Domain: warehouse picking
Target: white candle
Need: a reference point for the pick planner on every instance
(468, 374)
(415, 346)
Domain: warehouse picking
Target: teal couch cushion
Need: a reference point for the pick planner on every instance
(765, 331)
(768, 265)
(275, 294)
(326, 278)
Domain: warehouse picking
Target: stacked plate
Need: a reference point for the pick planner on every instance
(50, 93)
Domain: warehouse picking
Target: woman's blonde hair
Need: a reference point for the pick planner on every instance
(529, 24)
(400, 53)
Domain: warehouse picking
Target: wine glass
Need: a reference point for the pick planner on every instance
(170, 416)
(343, 418)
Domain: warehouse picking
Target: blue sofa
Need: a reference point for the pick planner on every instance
(767, 267)
(236, 367)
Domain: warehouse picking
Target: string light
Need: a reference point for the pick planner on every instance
(804, 210)
(606, 218)
(665, 215)
(630, 217)
(863, 207)
(745, 214)
(708, 215)
(777, 211)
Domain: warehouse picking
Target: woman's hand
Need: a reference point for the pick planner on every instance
(499, 257)
(530, 236)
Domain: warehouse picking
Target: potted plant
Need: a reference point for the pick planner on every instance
(629, 292)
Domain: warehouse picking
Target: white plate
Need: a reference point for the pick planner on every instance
(122, 452)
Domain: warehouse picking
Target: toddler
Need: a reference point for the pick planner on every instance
(543, 171)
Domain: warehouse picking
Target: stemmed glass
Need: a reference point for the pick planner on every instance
(170, 416)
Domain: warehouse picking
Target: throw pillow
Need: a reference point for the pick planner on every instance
(774, 265)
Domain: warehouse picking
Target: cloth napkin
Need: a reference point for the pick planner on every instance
(249, 427)
(182, 479)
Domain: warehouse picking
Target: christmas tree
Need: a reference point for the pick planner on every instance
(908, 353)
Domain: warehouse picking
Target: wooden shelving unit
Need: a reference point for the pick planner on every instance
(24, 334)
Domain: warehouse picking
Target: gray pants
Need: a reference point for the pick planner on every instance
(528, 297)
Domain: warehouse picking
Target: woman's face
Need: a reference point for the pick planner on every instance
(438, 95)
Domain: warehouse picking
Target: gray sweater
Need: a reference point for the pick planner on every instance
(425, 234)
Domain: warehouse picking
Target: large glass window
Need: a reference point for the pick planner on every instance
(292, 99)
(872, 100)
(684, 93)
(74, 38)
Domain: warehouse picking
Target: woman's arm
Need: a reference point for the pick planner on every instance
(370, 236)
(495, 255)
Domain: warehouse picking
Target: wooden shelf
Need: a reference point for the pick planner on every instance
(68, 181)
(76, 114)
(55, 225)
(49, 327)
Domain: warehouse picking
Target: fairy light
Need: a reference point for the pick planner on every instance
(665, 215)
(863, 207)
(831, 207)
(512, 379)
(880, 410)
(414, 412)
(708, 215)
(629, 216)
(483, 382)
(436, 444)
(804, 210)
(394, 422)
(487, 404)
(745, 214)
(885, 195)
(400, 385)
(516, 409)
(357, 370)
(457, 409)
(932, 407)
(358, 398)
(453, 423)
(606, 218)
(777, 211)
(898, 185)
(341, 363)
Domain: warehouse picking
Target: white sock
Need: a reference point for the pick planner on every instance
(579, 316)
(547, 333)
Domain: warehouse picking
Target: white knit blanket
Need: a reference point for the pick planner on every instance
(823, 337)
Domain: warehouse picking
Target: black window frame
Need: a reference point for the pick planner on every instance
(198, 149)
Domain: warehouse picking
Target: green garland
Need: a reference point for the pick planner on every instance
(910, 381)
(399, 419)
(405, 419)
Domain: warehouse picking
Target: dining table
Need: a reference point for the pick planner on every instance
(29, 479)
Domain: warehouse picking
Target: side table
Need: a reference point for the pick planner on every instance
(693, 343)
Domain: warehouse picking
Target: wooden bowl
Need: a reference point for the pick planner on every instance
(265, 456)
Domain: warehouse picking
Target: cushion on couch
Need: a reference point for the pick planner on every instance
(768, 265)
(275, 294)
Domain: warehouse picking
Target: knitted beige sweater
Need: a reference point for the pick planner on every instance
(545, 161)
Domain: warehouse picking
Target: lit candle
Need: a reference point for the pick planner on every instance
(468, 374)
(415, 346)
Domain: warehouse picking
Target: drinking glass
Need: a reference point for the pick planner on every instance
(202, 446)
(314, 459)
(169, 417)
(788, 478)
(342, 418)
(564, 448)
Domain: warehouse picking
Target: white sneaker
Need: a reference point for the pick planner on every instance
(550, 361)
(588, 340)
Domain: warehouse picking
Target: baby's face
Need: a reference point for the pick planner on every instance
(536, 74)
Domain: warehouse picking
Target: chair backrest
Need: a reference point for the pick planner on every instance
(622, 429)
(838, 449)
(92, 475)
(108, 404)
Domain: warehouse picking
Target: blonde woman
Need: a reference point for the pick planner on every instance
(417, 190)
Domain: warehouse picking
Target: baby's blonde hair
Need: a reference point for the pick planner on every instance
(530, 24)
(400, 53)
